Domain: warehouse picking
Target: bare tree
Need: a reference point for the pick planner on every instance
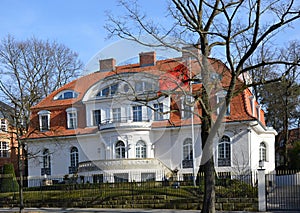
(30, 70)
(281, 98)
(232, 28)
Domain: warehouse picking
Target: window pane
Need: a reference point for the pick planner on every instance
(262, 151)
(68, 95)
(186, 107)
(74, 157)
(96, 117)
(72, 122)
(4, 147)
(46, 159)
(3, 125)
(224, 152)
(141, 149)
(137, 113)
(44, 122)
(139, 86)
(158, 113)
(117, 114)
(114, 89)
(105, 92)
(120, 150)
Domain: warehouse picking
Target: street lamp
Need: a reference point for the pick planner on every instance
(261, 164)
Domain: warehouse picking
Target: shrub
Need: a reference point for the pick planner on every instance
(8, 181)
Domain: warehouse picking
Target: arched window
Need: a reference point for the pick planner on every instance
(262, 152)
(46, 170)
(224, 152)
(140, 149)
(187, 161)
(120, 149)
(74, 157)
(66, 94)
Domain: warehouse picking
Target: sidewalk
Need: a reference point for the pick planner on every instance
(95, 210)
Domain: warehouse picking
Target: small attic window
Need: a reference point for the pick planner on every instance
(66, 94)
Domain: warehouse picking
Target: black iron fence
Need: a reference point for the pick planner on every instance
(92, 192)
(283, 190)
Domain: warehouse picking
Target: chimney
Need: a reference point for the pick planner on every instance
(107, 64)
(190, 51)
(147, 59)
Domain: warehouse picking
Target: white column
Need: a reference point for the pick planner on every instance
(261, 179)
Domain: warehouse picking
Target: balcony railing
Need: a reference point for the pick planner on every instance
(224, 162)
(120, 164)
(187, 164)
(123, 122)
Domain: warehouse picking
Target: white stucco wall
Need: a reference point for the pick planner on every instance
(59, 152)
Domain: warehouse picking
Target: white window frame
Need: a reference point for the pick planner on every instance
(158, 111)
(263, 151)
(116, 114)
(220, 97)
(187, 149)
(46, 159)
(186, 110)
(61, 95)
(96, 117)
(74, 157)
(141, 149)
(72, 121)
(222, 154)
(4, 149)
(120, 151)
(137, 113)
(4, 125)
(44, 113)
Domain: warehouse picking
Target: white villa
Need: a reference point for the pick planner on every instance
(134, 123)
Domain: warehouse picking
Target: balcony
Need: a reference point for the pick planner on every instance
(122, 164)
(125, 122)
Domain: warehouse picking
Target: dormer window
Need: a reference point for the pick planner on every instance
(221, 101)
(4, 125)
(71, 118)
(44, 120)
(108, 91)
(66, 94)
(143, 86)
(187, 103)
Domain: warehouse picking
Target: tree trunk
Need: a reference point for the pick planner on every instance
(209, 187)
(207, 163)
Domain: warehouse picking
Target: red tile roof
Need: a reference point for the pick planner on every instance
(240, 106)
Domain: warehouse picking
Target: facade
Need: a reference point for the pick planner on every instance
(8, 142)
(135, 123)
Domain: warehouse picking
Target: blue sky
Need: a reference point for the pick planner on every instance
(77, 24)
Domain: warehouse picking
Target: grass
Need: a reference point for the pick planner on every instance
(126, 191)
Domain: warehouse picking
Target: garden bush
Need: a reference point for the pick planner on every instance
(8, 181)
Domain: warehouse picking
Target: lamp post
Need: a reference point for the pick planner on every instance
(261, 164)
(261, 186)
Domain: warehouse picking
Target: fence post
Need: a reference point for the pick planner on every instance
(261, 180)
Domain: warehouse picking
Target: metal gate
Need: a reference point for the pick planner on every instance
(283, 191)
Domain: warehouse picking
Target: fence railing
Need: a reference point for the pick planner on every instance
(283, 190)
